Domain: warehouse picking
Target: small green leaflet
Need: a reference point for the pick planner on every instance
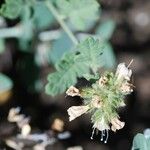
(106, 29)
(79, 12)
(5, 83)
(11, 8)
(74, 65)
(140, 142)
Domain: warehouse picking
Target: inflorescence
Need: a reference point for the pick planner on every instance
(103, 99)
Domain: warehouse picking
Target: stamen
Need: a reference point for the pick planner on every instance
(107, 134)
(92, 133)
(130, 63)
(102, 135)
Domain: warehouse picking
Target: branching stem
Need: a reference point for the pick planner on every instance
(13, 32)
(61, 22)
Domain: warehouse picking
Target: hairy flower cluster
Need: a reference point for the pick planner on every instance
(103, 99)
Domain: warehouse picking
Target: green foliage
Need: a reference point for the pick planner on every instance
(79, 12)
(11, 9)
(106, 29)
(140, 142)
(42, 16)
(5, 83)
(108, 56)
(80, 61)
(73, 65)
(59, 47)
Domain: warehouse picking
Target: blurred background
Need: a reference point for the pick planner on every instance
(26, 58)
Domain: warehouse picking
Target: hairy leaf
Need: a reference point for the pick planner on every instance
(140, 142)
(11, 8)
(108, 56)
(79, 12)
(5, 83)
(42, 16)
(74, 65)
(59, 47)
(106, 29)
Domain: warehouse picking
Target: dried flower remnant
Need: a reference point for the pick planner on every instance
(58, 125)
(103, 99)
(76, 111)
(116, 124)
(72, 91)
(21, 120)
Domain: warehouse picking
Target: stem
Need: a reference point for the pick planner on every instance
(61, 22)
(13, 32)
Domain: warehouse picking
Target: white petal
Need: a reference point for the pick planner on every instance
(123, 72)
(101, 125)
(76, 111)
(116, 124)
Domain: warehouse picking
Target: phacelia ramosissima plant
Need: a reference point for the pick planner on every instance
(103, 99)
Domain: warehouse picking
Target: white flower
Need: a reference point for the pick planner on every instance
(76, 111)
(116, 124)
(123, 72)
(73, 91)
(101, 125)
(126, 88)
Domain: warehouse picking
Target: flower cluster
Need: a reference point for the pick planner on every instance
(103, 99)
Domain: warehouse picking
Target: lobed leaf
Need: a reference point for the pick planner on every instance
(11, 8)
(73, 65)
(140, 142)
(79, 12)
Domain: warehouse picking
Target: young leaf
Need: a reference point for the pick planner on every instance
(11, 8)
(5, 83)
(79, 12)
(108, 56)
(139, 142)
(106, 29)
(59, 47)
(74, 65)
(42, 16)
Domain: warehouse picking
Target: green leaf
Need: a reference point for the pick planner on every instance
(139, 142)
(5, 83)
(59, 47)
(74, 65)
(11, 8)
(90, 52)
(79, 12)
(106, 29)
(42, 16)
(91, 76)
(108, 56)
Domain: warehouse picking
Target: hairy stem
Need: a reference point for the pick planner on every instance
(13, 32)
(61, 21)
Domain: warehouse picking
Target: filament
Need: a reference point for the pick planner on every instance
(130, 63)
(102, 135)
(92, 133)
(107, 134)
